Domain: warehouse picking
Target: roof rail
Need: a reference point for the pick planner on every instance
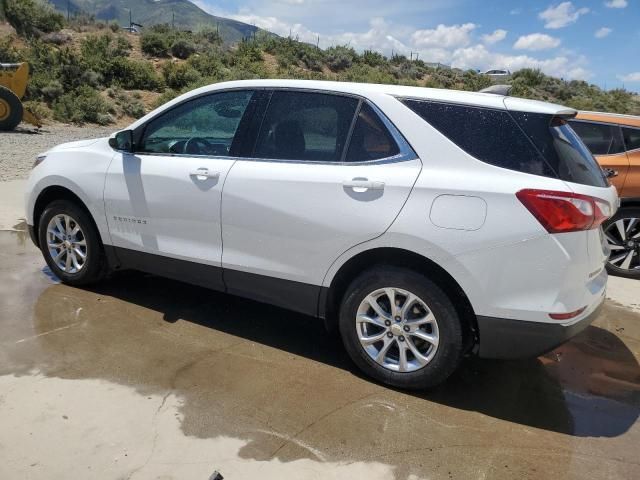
(498, 90)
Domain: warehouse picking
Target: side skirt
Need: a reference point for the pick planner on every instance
(296, 296)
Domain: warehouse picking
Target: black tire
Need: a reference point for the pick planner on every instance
(626, 213)
(450, 348)
(94, 268)
(13, 117)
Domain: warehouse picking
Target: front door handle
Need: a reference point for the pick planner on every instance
(204, 173)
(363, 184)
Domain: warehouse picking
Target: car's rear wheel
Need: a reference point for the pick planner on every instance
(70, 243)
(400, 328)
(623, 236)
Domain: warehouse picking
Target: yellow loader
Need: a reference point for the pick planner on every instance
(13, 85)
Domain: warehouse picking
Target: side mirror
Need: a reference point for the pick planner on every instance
(122, 141)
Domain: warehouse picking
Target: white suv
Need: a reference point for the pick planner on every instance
(424, 224)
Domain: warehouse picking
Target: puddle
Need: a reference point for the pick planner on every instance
(253, 390)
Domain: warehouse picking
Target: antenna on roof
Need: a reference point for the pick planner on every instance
(498, 90)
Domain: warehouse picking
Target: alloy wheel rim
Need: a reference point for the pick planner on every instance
(623, 237)
(397, 329)
(66, 243)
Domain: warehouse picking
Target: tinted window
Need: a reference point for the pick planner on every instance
(563, 150)
(631, 138)
(305, 126)
(204, 126)
(527, 142)
(489, 135)
(370, 139)
(602, 139)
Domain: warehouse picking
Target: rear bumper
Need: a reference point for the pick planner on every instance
(509, 339)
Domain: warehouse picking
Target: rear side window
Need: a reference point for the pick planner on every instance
(631, 138)
(370, 139)
(305, 126)
(601, 138)
(525, 142)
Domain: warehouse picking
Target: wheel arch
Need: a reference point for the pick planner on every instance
(332, 295)
(58, 192)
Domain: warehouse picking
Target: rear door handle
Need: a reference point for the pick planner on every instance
(362, 185)
(204, 173)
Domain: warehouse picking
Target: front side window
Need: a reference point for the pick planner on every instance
(601, 138)
(204, 126)
(631, 138)
(305, 126)
(370, 139)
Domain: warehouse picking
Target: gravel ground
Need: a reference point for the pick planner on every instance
(18, 149)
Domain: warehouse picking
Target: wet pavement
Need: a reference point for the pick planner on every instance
(143, 377)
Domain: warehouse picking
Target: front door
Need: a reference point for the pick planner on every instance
(163, 201)
(327, 173)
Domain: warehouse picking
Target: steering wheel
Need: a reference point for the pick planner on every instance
(197, 146)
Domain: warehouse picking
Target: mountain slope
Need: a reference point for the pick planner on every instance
(149, 12)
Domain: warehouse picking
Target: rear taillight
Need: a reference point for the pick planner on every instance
(567, 316)
(561, 212)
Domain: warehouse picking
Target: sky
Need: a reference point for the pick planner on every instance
(593, 40)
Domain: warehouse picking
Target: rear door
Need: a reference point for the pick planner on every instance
(606, 143)
(327, 172)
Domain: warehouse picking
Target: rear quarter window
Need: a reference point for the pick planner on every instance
(525, 142)
(487, 134)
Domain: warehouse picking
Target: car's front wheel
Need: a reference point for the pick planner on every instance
(70, 243)
(623, 236)
(400, 328)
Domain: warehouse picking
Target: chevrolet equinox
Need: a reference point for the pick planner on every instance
(421, 224)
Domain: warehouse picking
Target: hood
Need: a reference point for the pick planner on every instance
(73, 145)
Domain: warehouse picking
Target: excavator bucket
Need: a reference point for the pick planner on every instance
(13, 85)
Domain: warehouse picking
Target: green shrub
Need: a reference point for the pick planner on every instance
(9, 53)
(182, 49)
(52, 90)
(155, 44)
(179, 75)
(340, 57)
(208, 64)
(529, 77)
(32, 17)
(132, 75)
(373, 59)
(80, 106)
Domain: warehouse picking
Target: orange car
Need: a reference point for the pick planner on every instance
(615, 142)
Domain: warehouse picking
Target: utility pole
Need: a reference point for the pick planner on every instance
(173, 20)
(130, 20)
(318, 43)
(68, 10)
